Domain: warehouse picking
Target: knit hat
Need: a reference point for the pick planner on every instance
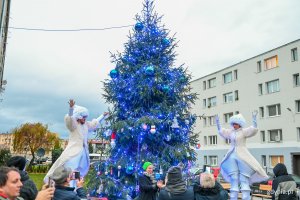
(17, 161)
(146, 165)
(61, 174)
(174, 174)
(80, 112)
(237, 119)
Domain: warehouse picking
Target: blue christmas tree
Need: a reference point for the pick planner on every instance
(151, 119)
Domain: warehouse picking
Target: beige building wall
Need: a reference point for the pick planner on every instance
(6, 140)
(278, 105)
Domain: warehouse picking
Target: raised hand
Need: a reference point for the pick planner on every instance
(105, 114)
(71, 102)
(218, 122)
(254, 114)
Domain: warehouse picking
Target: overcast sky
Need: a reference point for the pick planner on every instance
(45, 69)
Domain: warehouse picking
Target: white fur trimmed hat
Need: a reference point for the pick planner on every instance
(80, 112)
(237, 119)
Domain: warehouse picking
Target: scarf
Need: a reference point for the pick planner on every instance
(152, 179)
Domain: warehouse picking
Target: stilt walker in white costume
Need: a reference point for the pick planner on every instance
(76, 154)
(239, 167)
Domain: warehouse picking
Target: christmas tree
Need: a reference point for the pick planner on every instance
(150, 118)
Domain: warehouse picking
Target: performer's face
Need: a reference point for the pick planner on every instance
(236, 126)
(82, 121)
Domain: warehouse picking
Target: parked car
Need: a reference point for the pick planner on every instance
(48, 161)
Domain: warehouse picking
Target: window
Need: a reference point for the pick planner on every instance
(227, 116)
(212, 101)
(258, 66)
(261, 112)
(212, 140)
(205, 160)
(204, 85)
(211, 120)
(296, 80)
(212, 83)
(227, 77)
(298, 133)
(274, 110)
(271, 63)
(272, 86)
(228, 97)
(275, 160)
(204, 103)
(205, 140)
(235, 74)
(263, 160)
(213, 160)
(262, 136)
(275, 135)
(236, 95)
(297, 106)
(294, 54)
(260, 89)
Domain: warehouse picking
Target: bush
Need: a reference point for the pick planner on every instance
(4, 156)
(38, 169)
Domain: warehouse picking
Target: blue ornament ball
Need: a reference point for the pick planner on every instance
(149, 70)
(139, 26)
(129, 170)
(113, 73)
(165, 42)
(166, 88)
(182, 79)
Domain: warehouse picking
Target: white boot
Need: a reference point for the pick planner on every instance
(246, 195)
(245, 188)
(233, 195)
(234, 189)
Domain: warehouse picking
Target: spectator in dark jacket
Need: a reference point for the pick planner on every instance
(209, 189)
(175, 188)
(62, 177)
(29, 190)
(283, 185)
(147, 183)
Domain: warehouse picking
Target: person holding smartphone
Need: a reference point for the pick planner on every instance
(62, 177)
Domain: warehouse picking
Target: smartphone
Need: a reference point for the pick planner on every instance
(50, 183)
(76, 175)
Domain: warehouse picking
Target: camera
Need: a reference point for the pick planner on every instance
(76, 175)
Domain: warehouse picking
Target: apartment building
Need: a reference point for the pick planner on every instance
(268, 83)
(4, 18)
(6, 141)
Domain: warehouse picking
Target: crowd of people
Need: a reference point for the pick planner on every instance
(15, 183)
(174, 187)
(238, 167)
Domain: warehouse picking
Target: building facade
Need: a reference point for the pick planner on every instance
(4, 18)
(6, 141)
(268, 83)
